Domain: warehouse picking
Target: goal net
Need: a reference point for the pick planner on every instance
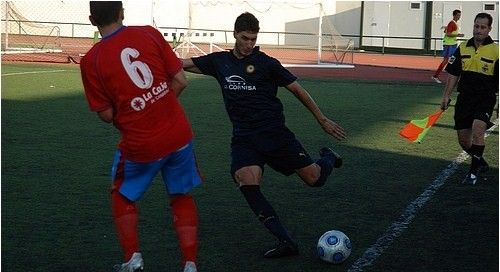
(45, 31)
(297, 32)
(22, 35)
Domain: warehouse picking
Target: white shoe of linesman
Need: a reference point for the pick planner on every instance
(190, 267)
(133, 265)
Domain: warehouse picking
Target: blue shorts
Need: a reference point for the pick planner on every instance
(178, 169)
(448, 50)
(277, 148)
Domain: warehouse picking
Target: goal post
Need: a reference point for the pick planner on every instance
(21, 35)
(296, 32)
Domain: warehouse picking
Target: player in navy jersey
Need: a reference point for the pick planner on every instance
(249, 80)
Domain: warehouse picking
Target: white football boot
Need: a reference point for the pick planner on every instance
(190, 267)
(134, 264)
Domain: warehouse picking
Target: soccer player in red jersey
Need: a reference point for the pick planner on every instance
(132, 79)
(449, 43)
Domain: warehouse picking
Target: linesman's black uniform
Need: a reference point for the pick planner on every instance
(478, 83)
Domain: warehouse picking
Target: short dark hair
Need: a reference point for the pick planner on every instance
(457, 11)
(105, 12)
(485, 15)
(246, 22)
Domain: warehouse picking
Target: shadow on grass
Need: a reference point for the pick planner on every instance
(56, 157)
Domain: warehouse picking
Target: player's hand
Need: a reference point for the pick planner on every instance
(445, 103)
(333, 129)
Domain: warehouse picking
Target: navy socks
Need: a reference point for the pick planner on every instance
(264, 211)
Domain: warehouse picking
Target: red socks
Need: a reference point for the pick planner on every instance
(185, 217)
(125, 216)
(440, 68)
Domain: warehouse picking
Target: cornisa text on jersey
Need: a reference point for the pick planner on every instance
(238, 83)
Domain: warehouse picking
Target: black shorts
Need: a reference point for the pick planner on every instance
(473, 106)
(277, 148)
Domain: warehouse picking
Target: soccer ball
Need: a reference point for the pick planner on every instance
(334, 247)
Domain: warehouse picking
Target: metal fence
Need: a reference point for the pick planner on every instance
(67, 42)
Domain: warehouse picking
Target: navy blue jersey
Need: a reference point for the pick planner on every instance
(249, 87)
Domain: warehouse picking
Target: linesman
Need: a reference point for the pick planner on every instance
(474, 65)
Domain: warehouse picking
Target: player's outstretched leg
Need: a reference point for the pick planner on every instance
(326, 152)
(282, 249)
(266, 214)
(329, 160)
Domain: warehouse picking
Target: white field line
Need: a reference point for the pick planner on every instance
(34, 72)
(397, 227)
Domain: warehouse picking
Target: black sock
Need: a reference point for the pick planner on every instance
(482, 161)
(326, 165)
(476, 151)
(264, 211)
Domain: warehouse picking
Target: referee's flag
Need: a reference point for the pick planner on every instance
(416, 130)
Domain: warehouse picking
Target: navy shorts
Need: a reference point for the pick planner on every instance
(473, 106)
(277, 148)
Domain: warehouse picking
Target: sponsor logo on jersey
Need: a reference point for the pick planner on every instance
(485, 68)
(237, 83)
(138, 104)
(250, 69)
(152, 95)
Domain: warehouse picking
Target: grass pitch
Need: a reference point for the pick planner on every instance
(56, 159)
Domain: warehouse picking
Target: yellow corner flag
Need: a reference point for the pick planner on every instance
(416, 130)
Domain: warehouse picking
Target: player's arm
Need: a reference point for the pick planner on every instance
(328, 125)
(452, 30)
(106, 115)
(179, 83)
(189, 66)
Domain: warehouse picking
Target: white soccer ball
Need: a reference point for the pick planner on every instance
(334, 247)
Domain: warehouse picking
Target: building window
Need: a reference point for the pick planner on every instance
(489, 7)
(415, 5)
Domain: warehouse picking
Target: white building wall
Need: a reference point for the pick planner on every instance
(397, 19)
(381, 18)
(442, 14)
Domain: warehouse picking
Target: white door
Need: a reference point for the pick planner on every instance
(379, 22)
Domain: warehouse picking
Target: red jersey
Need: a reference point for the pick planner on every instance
(451, 27)
(131, 71)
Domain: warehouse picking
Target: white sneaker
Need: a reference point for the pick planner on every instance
(190, 267)
(436, 80)
(470, 179)
(134, 264)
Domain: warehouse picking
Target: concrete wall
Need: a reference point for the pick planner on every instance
(442, 14)
(380, 18)
(397, 19)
